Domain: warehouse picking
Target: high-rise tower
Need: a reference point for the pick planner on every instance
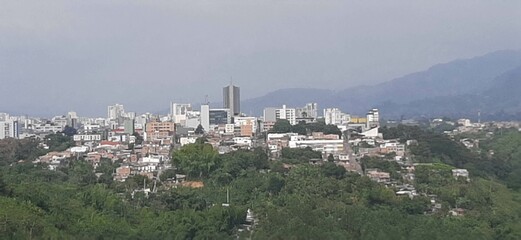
(232, 99)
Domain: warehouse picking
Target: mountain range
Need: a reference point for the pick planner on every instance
(488, 84)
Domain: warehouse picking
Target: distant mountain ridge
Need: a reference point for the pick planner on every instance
(459, 87)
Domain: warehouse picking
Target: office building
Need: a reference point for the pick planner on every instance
(214, 117)
(232, 99)
(220, 116)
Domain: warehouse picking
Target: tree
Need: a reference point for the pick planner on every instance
(58, 142)
(332, 170)
(139, 139)
(196, 159)
(300, 128)
(300, 154)
(82, 173)
(168, 173)
(281, 126)
(69, 131)
(199, 129)
(275, 184)
(4, 189)
(330, 158)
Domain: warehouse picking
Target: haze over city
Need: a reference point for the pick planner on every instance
(84, 55)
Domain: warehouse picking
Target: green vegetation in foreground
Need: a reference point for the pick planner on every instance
(304, 202)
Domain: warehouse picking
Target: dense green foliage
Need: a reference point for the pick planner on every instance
(302, 128)
(435, 147)
(296, 155)
(303, 202)
(382, 164)
(503, 153)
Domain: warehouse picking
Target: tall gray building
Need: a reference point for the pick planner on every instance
(232, 99)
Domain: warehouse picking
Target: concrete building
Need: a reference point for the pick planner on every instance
(373, 118)
(336, 117)
(86, 137)
(72, 120)
(220, 116)
(205, 117)
(327, 147)
(9, 129)
(155, 131)
(59, 120)
(270, 114)
(115, 111)
(286, 113)
(129, 126)
(310, 111)
(246, 123)
(274, 114)
(179, 112)
(47, 127)
(232, 99)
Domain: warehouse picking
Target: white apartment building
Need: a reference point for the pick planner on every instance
(115, 111)
(274, 114)
(308, 111)
(286, 113)
(325, 146)
(9, 129)
(59, 120)
(86, 137)
(373, 118)
(179, 112)
(47, 127)
(205, 117)
(336, 117)
(229, 128)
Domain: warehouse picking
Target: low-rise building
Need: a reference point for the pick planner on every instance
(457, 173)
(378, 176)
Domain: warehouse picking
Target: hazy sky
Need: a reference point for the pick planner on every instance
(57, 56)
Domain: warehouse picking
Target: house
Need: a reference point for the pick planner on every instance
(456, 173)
(456, 212)
(378, 176)
(122, 173)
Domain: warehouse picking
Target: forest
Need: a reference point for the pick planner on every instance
(290, 198)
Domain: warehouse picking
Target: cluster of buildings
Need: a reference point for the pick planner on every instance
(144, 142)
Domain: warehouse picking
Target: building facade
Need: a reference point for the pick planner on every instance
(115, 111)
(232, 99)
(9, 129)
(179, 111)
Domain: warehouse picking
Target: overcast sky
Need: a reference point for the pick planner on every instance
(57, 56)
